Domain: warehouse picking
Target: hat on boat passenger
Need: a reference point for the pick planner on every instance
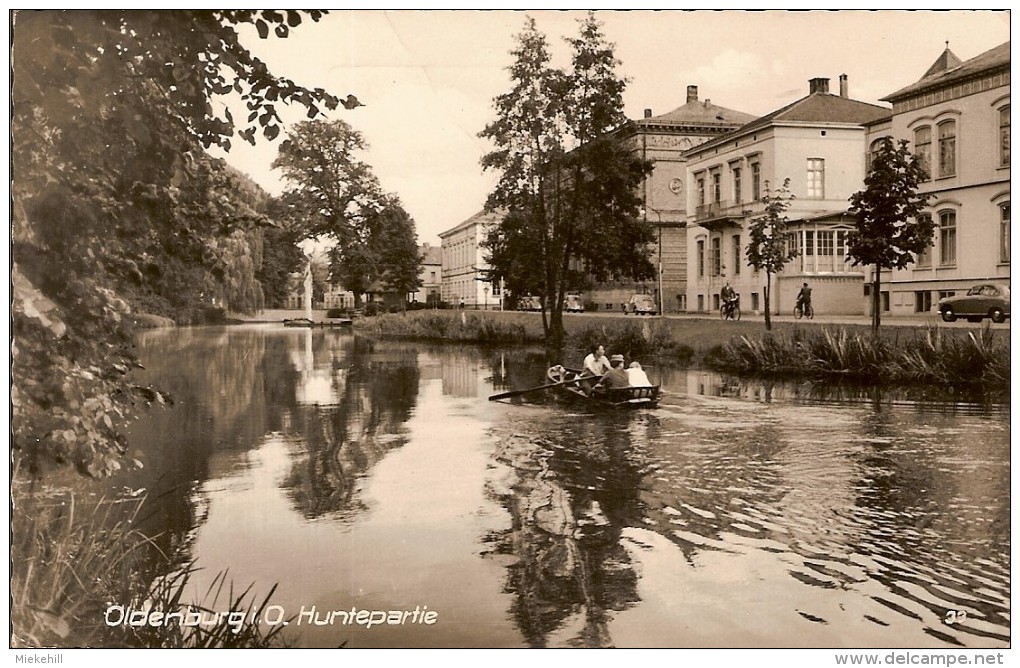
(616, 358)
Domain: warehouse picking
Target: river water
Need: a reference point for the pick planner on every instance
(375, 478)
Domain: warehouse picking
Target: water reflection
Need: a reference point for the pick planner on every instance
(738, 513)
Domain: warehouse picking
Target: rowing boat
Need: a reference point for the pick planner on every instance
(620, 397)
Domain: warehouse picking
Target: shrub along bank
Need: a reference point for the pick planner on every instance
(898, 355)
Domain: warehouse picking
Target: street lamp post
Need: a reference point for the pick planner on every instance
(485, 290)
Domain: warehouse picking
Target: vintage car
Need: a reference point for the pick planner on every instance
(529, 303)
(641, 305)
(573, 304)
(985, 300)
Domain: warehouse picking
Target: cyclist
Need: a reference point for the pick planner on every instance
(804, 299)
(728, 296)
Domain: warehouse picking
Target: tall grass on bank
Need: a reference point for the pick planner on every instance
(463, 327)
(928, 356)
(651, 339)
(71, 560)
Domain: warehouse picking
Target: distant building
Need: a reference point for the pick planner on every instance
(431, 289)
(819, 143)
(464, 266)
(664, 139)
(957, 120)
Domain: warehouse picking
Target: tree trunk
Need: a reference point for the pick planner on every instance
(768, 305)
(876, 300)
(555, 340)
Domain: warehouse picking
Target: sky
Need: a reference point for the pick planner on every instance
(427, 78)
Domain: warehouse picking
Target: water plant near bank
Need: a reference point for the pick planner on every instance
(932, 355)
(74, 560)
(446, 326)
(647, 340)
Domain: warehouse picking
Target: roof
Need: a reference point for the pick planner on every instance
(483, 217)
(818, 108)
(432, 254)
(697, 112)
(948, 69)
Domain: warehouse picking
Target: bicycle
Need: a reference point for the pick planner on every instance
(730, 310)
(800, 311)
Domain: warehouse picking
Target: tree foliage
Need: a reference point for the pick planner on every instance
(891, 230)
(334, 196)
(114, 200)
(570, 192)
(387, 254)
(767, 247)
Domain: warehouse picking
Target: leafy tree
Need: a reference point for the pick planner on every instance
(113, 197)
(387, 252)
(281, 257)
(569, 189)
(767, 248)
(891, 229)
(330, 186)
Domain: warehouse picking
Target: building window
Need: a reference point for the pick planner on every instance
(947, 238)
(947, 148)
(922, 149)
(873, 151)
(738, 196)
(1004, 232)
(809, 243)
(825, 243)
(716, 187)
(701, 259)
(1004, 136)
(924, 257)
(816, 178)
(736, 255)
(922, 301)
(755, 182)
(701, 302)
(754, 302)
(701, 191)
(716, 258)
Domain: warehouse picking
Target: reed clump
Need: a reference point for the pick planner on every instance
(445, 326)
(71, 560)
(932, 355)
(647, 339)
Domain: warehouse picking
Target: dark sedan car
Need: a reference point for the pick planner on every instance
(985, 300)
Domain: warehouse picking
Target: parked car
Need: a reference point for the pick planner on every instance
(529, 303)
(985, 300)
(573, 304)
(641, 305)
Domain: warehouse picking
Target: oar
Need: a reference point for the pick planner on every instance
(517, 393)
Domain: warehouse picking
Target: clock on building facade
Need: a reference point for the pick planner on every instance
(676, 186)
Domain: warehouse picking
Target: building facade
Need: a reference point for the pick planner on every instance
(431, 289)
(818, 143)
(663, 140)
(957, 120)
(464, 265)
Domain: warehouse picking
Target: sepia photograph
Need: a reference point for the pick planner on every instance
(510, 329)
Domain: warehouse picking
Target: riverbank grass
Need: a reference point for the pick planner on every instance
(928, 356)
(71, 560)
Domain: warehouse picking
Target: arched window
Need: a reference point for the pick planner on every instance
(947, 148)
(1004, 138)
(947, 238)
(922, 148)
(1004, 232)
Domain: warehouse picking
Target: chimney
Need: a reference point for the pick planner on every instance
(844, 89)
(819, 85)
(648, 113)
(708, 103)
(692, 94)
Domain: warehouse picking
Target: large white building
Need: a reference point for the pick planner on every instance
(819, 144)
(956, 118)
(464, 264)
